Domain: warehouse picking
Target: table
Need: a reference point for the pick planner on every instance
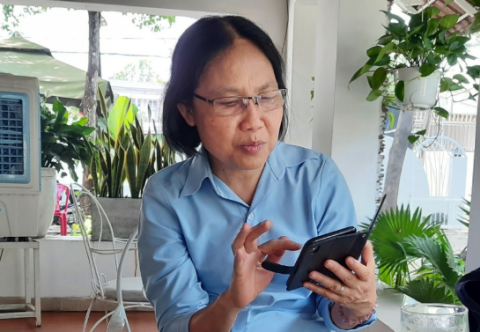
(27, 309)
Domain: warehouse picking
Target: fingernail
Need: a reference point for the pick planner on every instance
(328, 264)
(351, 260)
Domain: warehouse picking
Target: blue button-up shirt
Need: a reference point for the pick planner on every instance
(190, 217)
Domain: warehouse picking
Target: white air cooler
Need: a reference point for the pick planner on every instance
(20, 146)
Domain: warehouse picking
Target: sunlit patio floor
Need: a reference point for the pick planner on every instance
(73, 322)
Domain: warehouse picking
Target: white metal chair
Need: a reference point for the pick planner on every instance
(126, 292)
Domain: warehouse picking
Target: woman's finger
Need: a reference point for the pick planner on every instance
(361, 271)
(239, 240)
(250, 242)
(367, 256)
(329, 294)
(327, 282)
(277, 247)
(346, 276)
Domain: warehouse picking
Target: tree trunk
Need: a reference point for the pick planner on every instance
(89, 103)
(381, 151)
(396, 158)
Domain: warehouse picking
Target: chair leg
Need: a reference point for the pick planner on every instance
(87, 316)
(63, 224)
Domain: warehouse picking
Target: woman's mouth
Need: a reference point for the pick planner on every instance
(253, 148)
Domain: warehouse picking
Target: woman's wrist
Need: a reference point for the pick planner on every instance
(345, 319)
(225, 301)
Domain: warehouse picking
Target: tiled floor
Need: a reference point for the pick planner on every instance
(73, 322)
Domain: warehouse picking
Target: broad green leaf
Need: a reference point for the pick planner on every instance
(400, 90)
(474, 71)
(383, 62)
(384, 40)
(427, 69)
(475, 86)
(374, 94)
(398, 31)
(130, 170)
(392, 16)
(360, 72)
(413, 32)
(430, 12)
(370, 81)
(447, 2)
(449, 21)
(413, 138)
(421, 132)
(373, 52)
(432, 26)
(122, 113)
(145, 155)
(452, 59)
(426, 290)
(427, 42)
(378, 78)
(385, 50)
(460, 78)
(442, 50)
(441, 112)
(445, 84)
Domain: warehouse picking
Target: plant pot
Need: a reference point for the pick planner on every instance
(123, 214)
(47, 200)
(420, 92)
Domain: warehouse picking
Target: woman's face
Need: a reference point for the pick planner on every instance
(245, 140)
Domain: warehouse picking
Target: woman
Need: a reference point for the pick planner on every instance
(208, 223)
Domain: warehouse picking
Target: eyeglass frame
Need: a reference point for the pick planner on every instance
(283, 93)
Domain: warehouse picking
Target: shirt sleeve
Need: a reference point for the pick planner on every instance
(169, 276)
(334, 210)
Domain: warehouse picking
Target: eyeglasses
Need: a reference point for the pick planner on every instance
(229, 106)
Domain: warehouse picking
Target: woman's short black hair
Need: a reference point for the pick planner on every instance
(197, 46)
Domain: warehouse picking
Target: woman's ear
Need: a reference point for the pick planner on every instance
(187, 114)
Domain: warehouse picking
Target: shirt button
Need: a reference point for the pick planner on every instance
(251, 216)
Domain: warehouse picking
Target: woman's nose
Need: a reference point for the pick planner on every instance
(252, 116)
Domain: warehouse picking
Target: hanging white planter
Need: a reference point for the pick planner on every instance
(420, 92)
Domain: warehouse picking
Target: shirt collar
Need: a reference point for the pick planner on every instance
(199, 170)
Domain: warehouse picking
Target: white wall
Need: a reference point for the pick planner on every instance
(345, 125)
(64, 269)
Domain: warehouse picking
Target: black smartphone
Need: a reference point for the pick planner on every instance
(337, 246)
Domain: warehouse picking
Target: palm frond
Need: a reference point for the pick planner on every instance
(426, 290)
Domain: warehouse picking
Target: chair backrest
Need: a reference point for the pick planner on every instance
(60, 190)
(84, 201)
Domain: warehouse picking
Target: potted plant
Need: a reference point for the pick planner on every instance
(414, 256)
(62, 142)
(411, 61)
(124, 155)
(406, 62)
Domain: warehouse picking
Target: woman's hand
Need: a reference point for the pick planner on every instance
(249, 277)
(356, 293)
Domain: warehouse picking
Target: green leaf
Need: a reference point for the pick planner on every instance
(426, 290)
(122, 113)
(441, 112)
(391, 119)
(145, 155)
(360, 72)
(474, 71)
(452, 59)
(475, 86)
(449, 21)
(373, 52)
(397, 30)
(447, 2)
(400, 90)
(370, 81)
(432, 26)
(374, 94)
(430, 12)
(475, 26)
(427, 42)
(384, 40)
(378, 78)
(427, 69)
(392, 16)
(384, 50)
(460, 78)
(421, 132)
(445, 84)
(413, 138)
